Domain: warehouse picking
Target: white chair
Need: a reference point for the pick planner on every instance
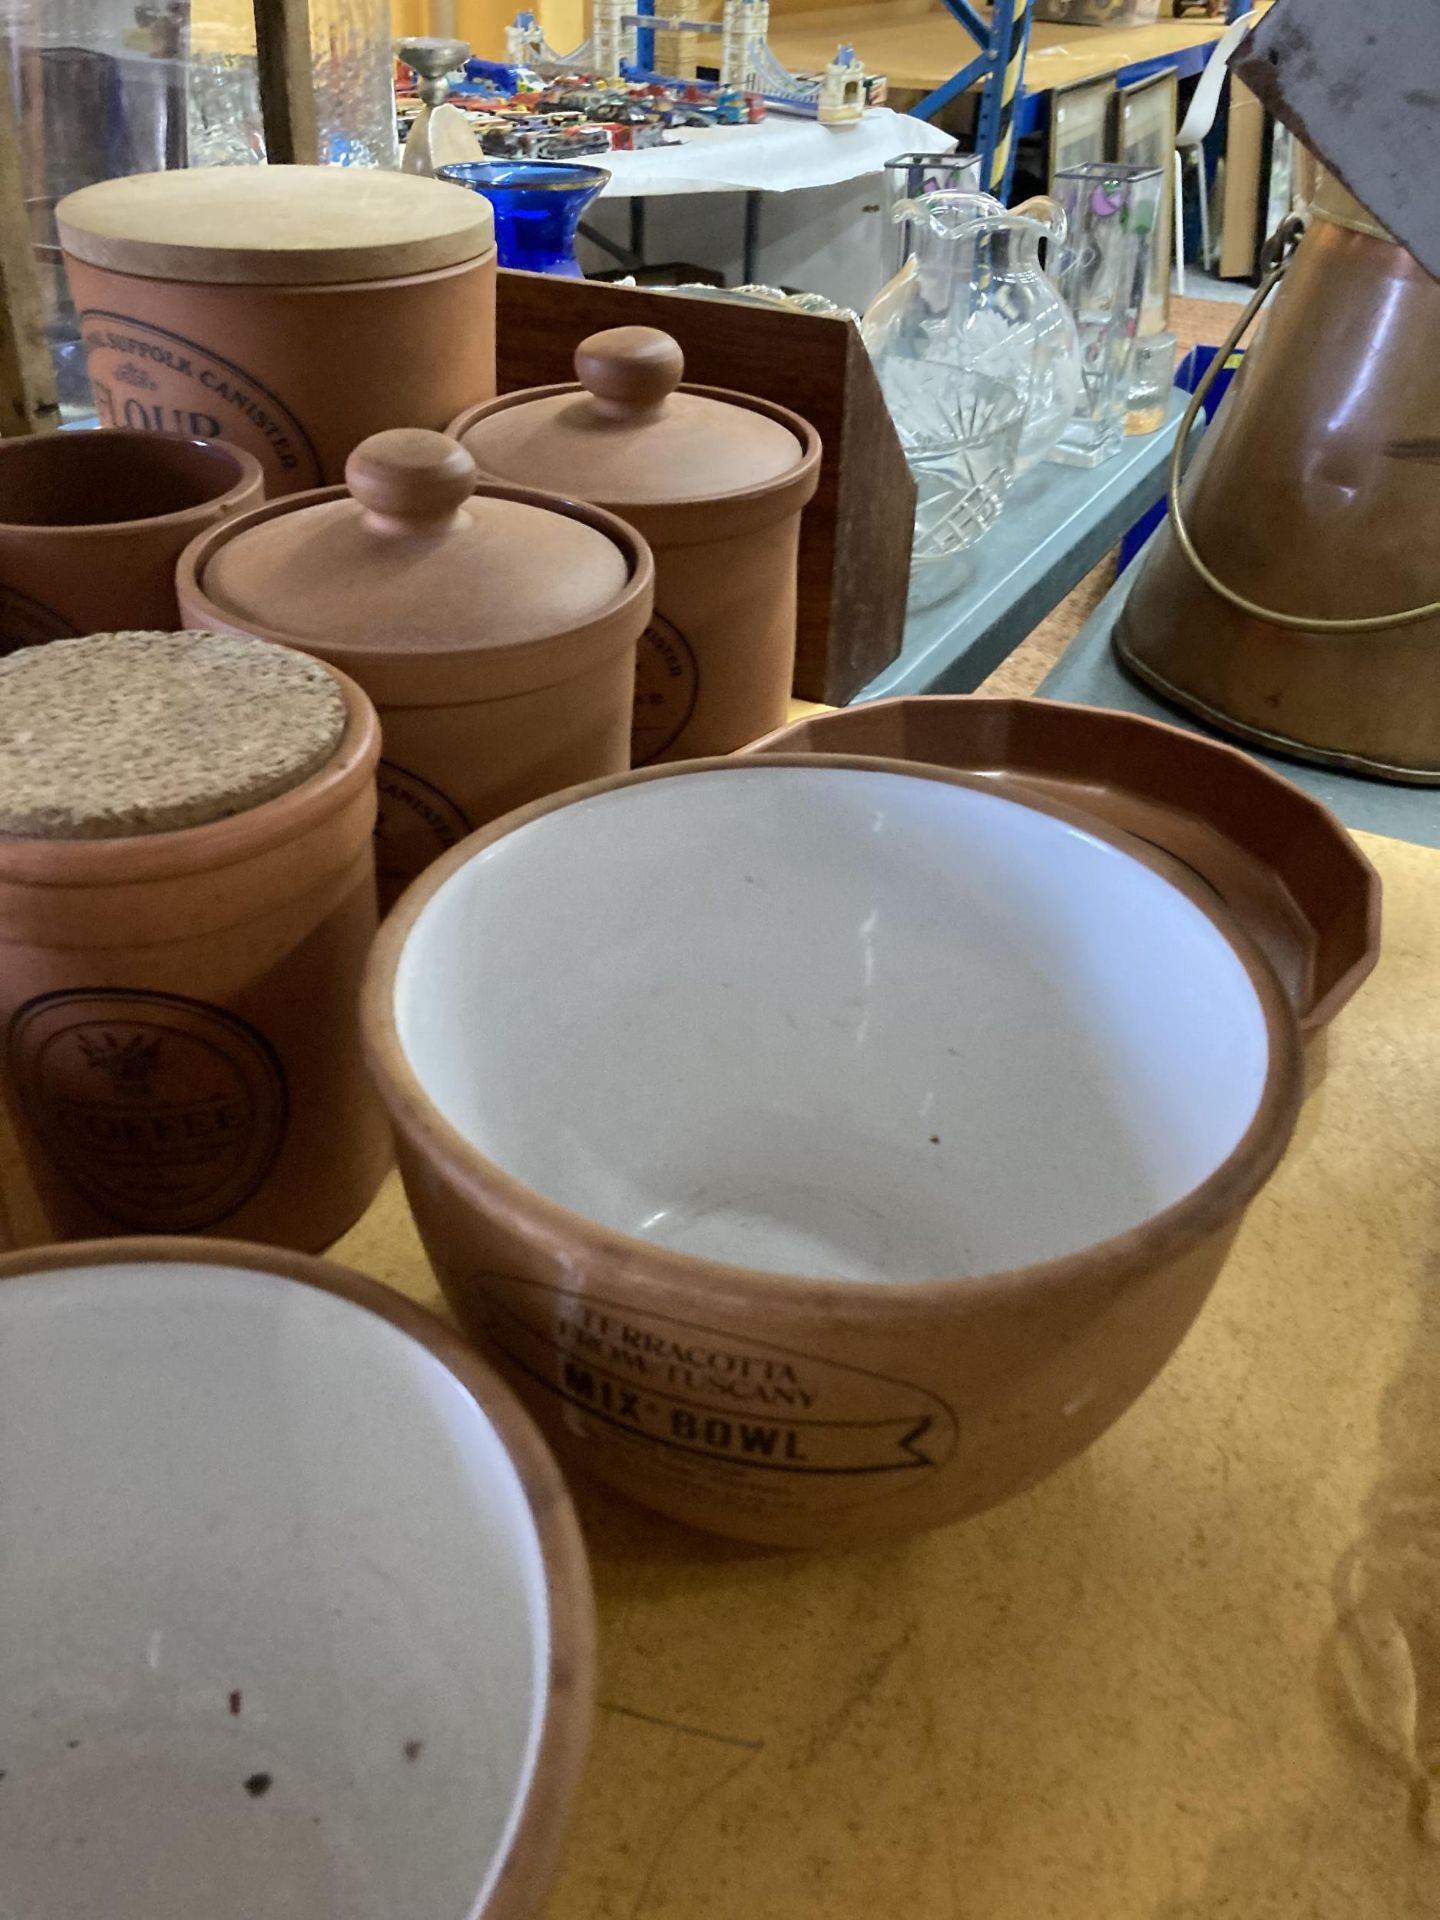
(1190, 142)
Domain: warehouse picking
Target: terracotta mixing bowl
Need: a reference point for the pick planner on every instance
(824, 1147)
(294, 1616)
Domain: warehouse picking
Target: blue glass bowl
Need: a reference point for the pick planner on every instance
(537, 203)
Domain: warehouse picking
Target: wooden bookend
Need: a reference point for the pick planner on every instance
(855, 537)
(287, 83)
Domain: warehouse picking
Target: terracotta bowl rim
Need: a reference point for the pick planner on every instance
(533, 1851)
(248, 481)
(1241, 765)
(1177, 1230)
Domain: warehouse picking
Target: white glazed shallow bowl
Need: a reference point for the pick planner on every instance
(294, 1620)
(823, 1147)
(833, 1022)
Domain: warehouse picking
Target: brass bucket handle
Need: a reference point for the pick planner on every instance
(1278, 251)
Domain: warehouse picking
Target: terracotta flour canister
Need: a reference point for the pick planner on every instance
(186, 901)
(494, 629)
(91, 525)
(291, 310)
(716, 483)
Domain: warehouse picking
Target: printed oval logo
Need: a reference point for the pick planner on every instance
(28, 623)
(415, 824)
(667, 684)
(164, 1113)
(147, 377)
(771, 1427)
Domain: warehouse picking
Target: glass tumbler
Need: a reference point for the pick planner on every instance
(1152, 378)
(1111, 209)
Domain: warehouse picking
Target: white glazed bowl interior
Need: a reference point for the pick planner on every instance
(273, 1619)
(833, 1021)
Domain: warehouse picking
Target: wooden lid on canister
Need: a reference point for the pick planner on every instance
(679, 462)
(120, 734)
(275, 226)
(421, 587)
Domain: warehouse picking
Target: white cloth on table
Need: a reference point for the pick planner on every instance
(779, 154)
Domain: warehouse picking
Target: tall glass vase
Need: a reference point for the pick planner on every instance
(909, 177)
(1111, 209)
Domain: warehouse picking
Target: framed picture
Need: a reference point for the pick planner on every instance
(1080, 123)
(1145, 124)
(1279, 179)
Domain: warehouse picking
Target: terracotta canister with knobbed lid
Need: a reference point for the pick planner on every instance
(290, 310)
(493, 627)
(187, 897)
(716, 482)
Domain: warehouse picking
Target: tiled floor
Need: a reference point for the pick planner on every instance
(1205, 286)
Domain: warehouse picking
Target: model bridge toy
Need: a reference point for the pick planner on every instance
(628, 44)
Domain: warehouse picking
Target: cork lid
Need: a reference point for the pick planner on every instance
(411, 560)
(119, 734)
(631, 436)
(274, 226)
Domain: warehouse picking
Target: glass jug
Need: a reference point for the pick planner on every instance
(973, 315)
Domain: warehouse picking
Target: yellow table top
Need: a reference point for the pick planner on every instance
(1126, 1695)
(917, 44)
(1135, 1693)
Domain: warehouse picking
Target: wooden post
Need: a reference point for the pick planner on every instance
(28, 402)
(287, 84)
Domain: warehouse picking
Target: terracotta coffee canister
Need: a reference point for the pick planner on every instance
(716, 482)
(494, 628)
(91, 525)
(186, 901)
(291, 310)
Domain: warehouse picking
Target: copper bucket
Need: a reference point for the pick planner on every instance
(1312, 507)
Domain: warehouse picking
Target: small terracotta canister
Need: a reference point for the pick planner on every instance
(291, 310)
(91, 525)
(716, 483)
(495, 630)
(186, 901)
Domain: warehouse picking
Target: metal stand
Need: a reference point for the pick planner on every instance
(750, 252)
(287, 85)
(998, 69)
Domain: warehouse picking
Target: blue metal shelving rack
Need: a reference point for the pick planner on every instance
(998, 69)
(1007, 111)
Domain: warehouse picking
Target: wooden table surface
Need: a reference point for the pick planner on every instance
(1138, 1691)
(919, 45)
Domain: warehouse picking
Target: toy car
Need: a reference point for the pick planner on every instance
(499, 142)
(565, 143)
(629, 139)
